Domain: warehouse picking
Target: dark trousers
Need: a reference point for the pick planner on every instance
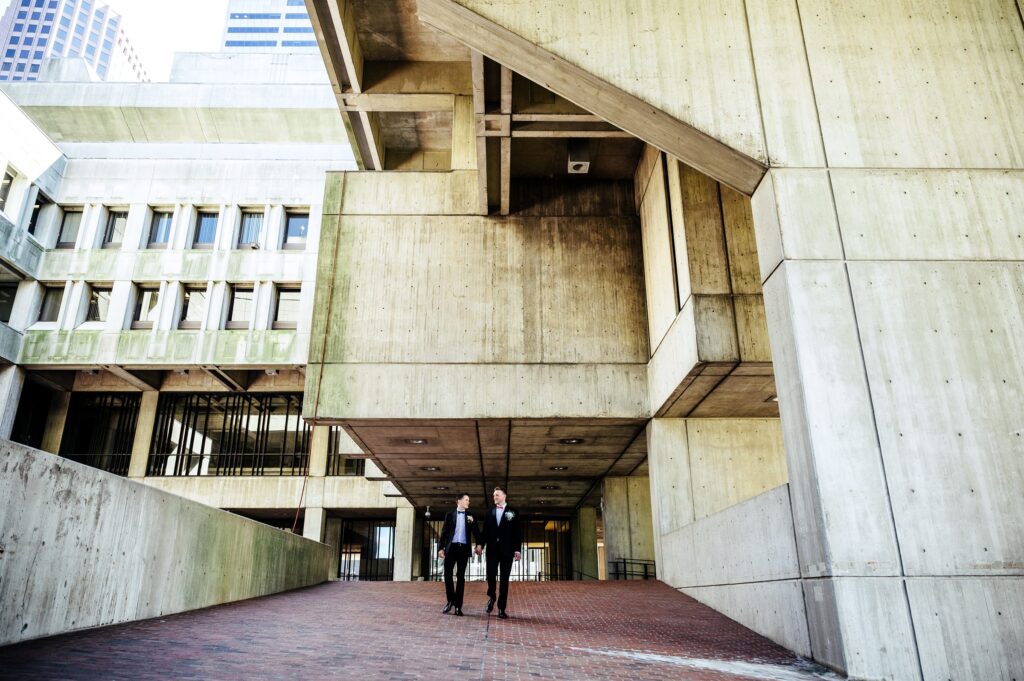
(456, 556)
(494, 561)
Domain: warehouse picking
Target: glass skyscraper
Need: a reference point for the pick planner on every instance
(33, 30)
(268, 26)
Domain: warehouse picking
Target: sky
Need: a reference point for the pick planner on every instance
(158, 28)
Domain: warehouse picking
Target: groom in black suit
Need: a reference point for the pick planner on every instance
(454, 546)
(503, 538)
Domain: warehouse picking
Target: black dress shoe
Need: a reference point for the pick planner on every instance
(502, 615)
(490, 604)
(458, 612)
(447, 608)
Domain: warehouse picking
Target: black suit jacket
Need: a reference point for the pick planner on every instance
(505, 539)
(448, 531)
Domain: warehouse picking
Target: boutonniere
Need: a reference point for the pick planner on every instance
(509, 515)
(469, 518)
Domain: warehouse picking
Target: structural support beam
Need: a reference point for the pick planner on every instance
(143, 380)
(625, 111)
(232, 380)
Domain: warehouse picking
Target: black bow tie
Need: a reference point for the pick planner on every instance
(461, 512)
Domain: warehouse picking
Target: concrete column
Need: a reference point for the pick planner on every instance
(314, 523)
(404, 525)
(627, 519)
(332, 537)
(143, 434)
(55, 422)
(318, 451)
(12, 380)
(584, 544)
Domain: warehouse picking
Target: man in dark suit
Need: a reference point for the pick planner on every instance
(454, 546)
(503, 538)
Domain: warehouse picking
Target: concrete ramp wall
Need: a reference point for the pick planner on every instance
(81, 548)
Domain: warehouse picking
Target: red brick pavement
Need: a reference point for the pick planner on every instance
(390, 630)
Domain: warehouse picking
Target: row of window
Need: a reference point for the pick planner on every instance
(268, 15)
(241, 305)
(203, 235)
(270, 29)
(269, 43)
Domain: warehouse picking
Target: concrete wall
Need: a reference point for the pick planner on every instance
(82, 548)
(626, 512)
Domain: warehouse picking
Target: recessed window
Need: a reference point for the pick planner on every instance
(296, 228)
(193, 307)
(286, 316)
(242, 307)
(206, 230)
(5, 188)
(146, 302)
(37, 208)
(117, 221)
(69, 227)
(52, 298)
(8, 290)
(160, 228)
(252, 225)
(99, 304)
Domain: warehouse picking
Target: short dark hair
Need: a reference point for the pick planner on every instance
(499, 487)
(458, 497)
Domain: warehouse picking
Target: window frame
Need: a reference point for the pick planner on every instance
(58, 290)
(243, 245)
(65, 212)
(195, 232)
(157, 213)
(295, 245)
(140, 291)
(278, 324)
(6, 185)
(189, 324)
(238, 324)
(112, 215)
(94, 291)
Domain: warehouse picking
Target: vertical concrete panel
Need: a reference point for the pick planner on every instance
(12, 379)
(404, 526)
(641, 533)
(314, 520)
(615, 513)
(143, 434)
(669, 466)
(659, 272)
(54, 432)
(584, 544)
(843, 519)
(876, 628)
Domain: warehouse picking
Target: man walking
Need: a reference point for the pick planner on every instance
(454, 547)
(503, 539)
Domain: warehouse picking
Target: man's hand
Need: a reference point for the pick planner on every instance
(440, 554)
(479, 550)
(518, 555)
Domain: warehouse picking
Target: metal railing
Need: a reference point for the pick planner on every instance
(628, 568)
(111, 463)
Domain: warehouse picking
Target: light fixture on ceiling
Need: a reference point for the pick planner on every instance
(551, 487)
(416, 441)
(431, 469)
(571, 441)
(559, 468)
(440, 488)
(543, 501)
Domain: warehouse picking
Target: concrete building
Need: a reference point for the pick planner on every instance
(733, 288)
(32, 31)
(268, 26)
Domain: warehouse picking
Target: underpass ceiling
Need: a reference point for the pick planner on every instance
(537, 460)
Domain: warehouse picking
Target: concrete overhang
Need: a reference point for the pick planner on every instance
(182, 112)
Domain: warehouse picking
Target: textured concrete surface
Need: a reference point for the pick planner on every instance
(387, 630)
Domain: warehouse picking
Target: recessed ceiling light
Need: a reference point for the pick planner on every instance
(542, 502)
(416, 441)
(551, 487)
(571, 440)
(559, 468)
(440, 488)
(430, 468)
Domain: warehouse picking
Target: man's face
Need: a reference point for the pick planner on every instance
(499, 497)
(463, 502)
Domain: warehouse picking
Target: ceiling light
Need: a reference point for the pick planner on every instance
(542, 502)
(430, 468)
(416, 441)
(551, 487)
(440, 488)
(559, 468)
(571, 440)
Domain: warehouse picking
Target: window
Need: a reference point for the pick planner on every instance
(193, 308)
(252, 29)
(160, 229)
(99, 304)
(252, 224)
(298, 29)
(8, 290)
(296, 15)
(286, 313)
(242, 305)
(296, 228)
(250, 43)
(69, 229)
(52, 297)
(37, 208)
(206, 230)
(298, 43)
(146, 301)
(5, 188)
(254, 15)
(117, 220)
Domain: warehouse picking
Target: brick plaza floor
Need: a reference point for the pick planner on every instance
(392, 630)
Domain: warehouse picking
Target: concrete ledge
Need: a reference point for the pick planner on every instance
(81, 548)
